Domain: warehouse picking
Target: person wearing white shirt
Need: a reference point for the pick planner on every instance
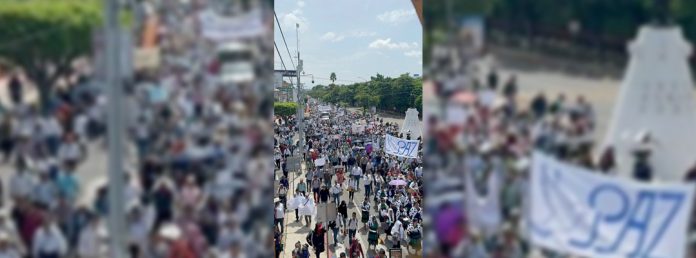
(279, 215)
(49, 242)
(46, 191)
(51, 131)
(419, 172)
(352, 226)
(397, 232)
(22, 183)
(141, 220)
(90, 243)
(368, 185)
(9, 230)
(80, 125)
(336, 192)
(70, 151)
(8, 247)
(357, 173)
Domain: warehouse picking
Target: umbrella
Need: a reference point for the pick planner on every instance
(397, 182)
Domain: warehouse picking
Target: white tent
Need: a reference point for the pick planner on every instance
(656, 98)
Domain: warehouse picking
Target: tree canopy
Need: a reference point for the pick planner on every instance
(44, 37)
(284, 109)
(385, 93)
(600, 23)
(332, 77)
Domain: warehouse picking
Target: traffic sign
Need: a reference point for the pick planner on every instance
(287, 73)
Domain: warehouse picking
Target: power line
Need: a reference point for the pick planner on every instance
(286, 43)
(279, 55)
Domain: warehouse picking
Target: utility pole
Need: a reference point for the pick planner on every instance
(300, 100)
(116, 219)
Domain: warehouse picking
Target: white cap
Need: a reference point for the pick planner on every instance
(170, 231)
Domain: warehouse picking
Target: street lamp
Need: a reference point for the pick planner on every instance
(304, 74)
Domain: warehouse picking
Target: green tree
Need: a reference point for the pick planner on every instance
(284, 109)
(44, 37)
(392, 94)
(332, 77)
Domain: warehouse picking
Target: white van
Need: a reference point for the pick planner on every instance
(236, 63)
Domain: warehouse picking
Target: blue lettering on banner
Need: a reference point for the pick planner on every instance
(609, 218)
(402, 147)
(637, 221)
(633, 215)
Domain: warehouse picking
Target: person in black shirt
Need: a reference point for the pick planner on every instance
(539, 105)
(493, 79)
(324, 194)
(317, 238)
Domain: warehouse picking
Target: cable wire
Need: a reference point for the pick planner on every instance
(286, 43)
(279, 55)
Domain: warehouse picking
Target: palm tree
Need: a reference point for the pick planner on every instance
(332, 77)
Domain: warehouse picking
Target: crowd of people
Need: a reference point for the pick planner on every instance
(375, 195)
(480, 148)
(194, 152)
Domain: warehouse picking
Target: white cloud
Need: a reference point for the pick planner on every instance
(333, 37)
(388, 44)
(397, 16)
(336, 37)
(414, 53)
(296, 17)
(362, 34)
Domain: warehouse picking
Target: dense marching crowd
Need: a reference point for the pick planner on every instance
(195, 149)
(484, 145)
(343, 156)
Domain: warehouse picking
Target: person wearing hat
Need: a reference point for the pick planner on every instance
(642, 169)
(171, 243)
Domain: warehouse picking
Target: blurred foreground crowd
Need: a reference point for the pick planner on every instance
(479, 151)
(193, 155)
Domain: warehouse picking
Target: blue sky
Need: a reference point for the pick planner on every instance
(353, 38)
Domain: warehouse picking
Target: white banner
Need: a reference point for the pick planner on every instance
(219, 28)
(357, 128)
(324, 108)
(320, 162)
(401, 147)
(577, 211)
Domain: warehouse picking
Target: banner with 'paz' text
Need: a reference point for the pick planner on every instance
(577, 211)
(401, 147)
